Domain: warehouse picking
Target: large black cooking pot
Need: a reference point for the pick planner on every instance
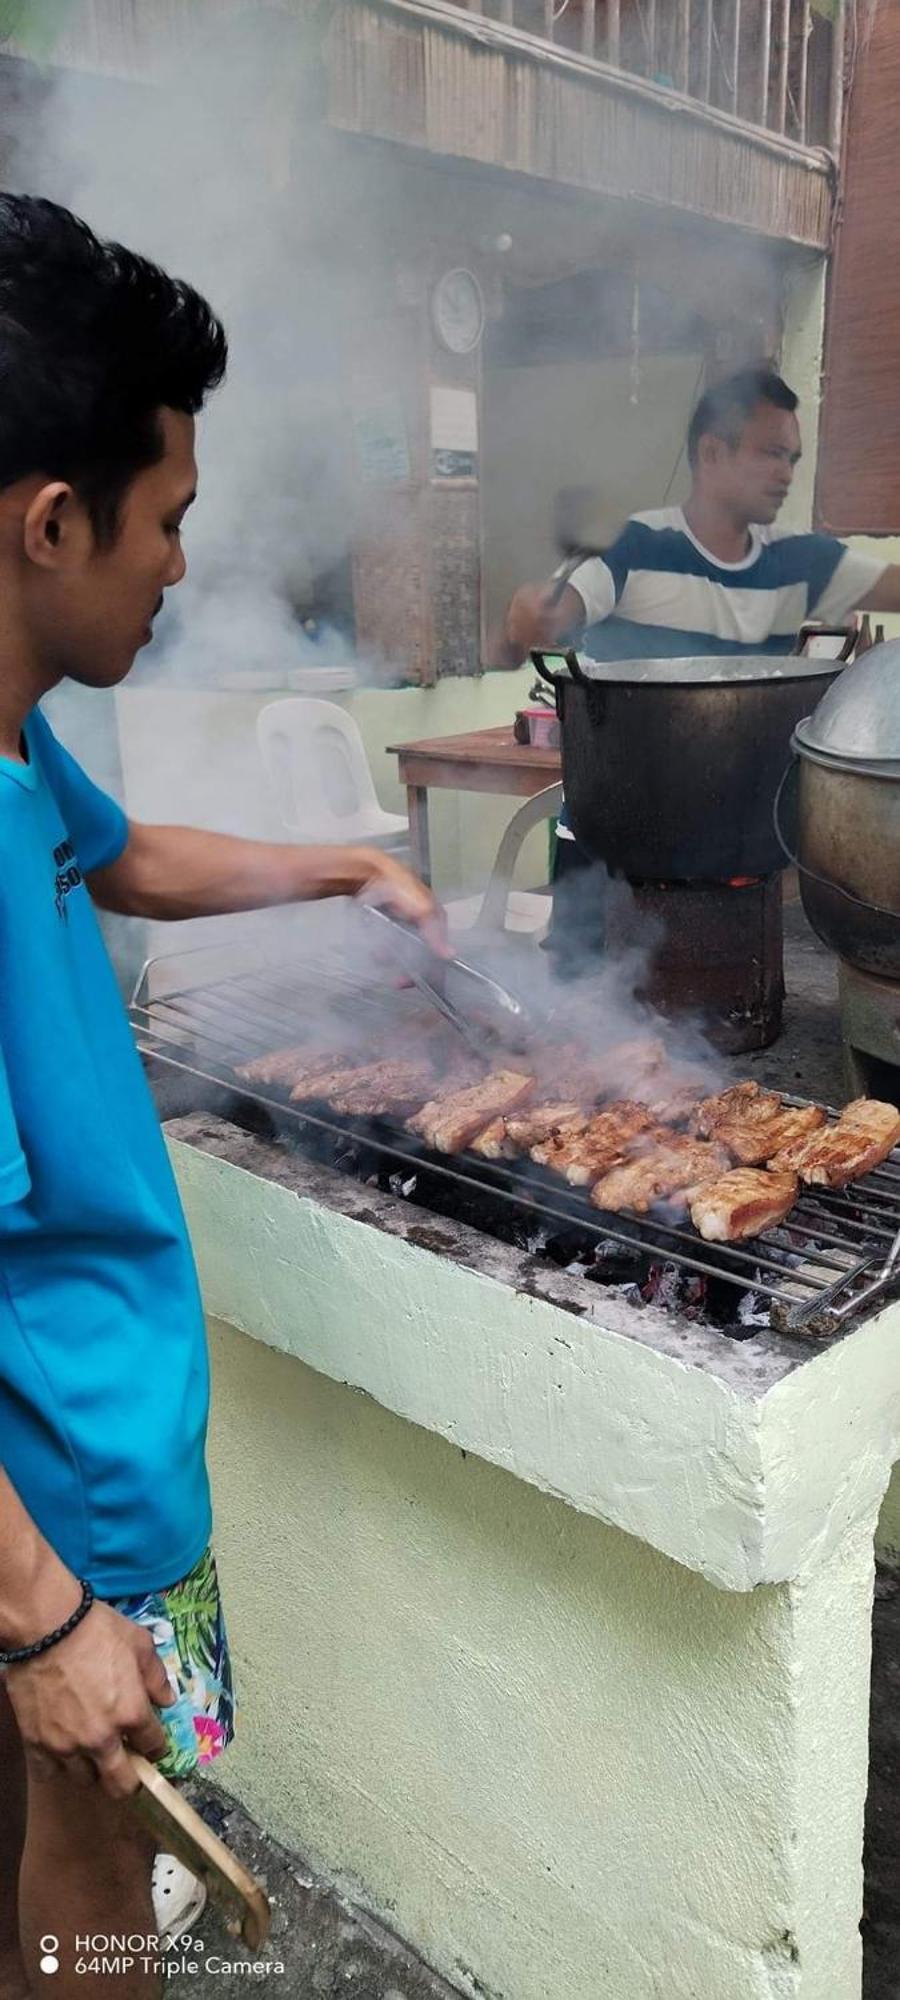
(671, 767)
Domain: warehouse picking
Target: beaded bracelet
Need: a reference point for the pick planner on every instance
(15, 1655)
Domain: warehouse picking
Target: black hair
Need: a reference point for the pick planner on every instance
(94, 342)
(725, 408)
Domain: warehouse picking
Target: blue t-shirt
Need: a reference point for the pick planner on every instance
(103, 1365)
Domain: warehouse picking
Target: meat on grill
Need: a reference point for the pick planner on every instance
(865, 1133)
(450, 1120)
(544, 1121)
(755, 1124)
(582, 1156)
(675, 1096)
(742, 1203)
(377, 1089)
(666, 1174)
(733, 1106)
(506, 1138)
(286, 1066)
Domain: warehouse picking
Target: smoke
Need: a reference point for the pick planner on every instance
(220, 169)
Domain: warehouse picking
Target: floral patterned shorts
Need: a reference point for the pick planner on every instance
(188, 1630)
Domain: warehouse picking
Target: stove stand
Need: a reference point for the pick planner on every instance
(720, 954)
(870, 1024)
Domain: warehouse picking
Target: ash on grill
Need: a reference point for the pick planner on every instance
(809, 1276)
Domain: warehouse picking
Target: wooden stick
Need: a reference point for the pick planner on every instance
(181, 1831)
(613, 34)
(836, 80)
(683, 52)
(765, 56)
(649, 24)
(805, 25)
(735, 52)
(548, 19)
(588, 27)
(784, 51)
(706, 59)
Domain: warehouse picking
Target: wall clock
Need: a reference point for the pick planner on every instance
(457, 311)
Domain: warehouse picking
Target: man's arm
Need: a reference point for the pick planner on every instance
(75, 1703)
(169, 872)
(540, 615)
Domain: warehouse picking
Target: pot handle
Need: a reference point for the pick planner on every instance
(834, 888)
(540, 655)
(791, 771)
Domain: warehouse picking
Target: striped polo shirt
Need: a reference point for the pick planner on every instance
(659, 594)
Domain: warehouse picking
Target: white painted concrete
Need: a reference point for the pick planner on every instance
(557, 1759)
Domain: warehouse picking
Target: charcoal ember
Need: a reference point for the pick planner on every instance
(675, 1289)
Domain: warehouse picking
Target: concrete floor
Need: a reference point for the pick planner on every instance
(329, 1948)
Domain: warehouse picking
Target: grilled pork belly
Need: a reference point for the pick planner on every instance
(286, 1065)
(754, 1140)
(664, 1174)
(675, 1096)
(544, 1121)
(383, 1088)
(506, 1138)
(493, 1143)
(448, 1123)
(743, 1203)
(741, 1102)
(865, 1133)
(754, 1124)
(582, 1156)
(318, 1085)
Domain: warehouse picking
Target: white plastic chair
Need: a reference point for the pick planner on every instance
(503, 909)
(315, 761)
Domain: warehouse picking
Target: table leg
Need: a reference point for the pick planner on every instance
(420, 846)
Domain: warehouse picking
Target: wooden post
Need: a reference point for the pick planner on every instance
(706, 52)
(765, 57)
(649, 28)
(836, 94)
(805, 25)
(613, 38)
(548, 19)
(735, 52)
(683, 51)
(506, 12)
(779, 111)
(588, 27)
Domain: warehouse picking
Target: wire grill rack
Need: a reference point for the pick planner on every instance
(835, 1255)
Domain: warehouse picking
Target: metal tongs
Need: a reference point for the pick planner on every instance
(507, 1022)
(821, 1318)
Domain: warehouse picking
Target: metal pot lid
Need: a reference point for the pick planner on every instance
(709, 668)
(858, 719)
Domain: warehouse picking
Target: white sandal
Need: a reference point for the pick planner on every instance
(179, 1898)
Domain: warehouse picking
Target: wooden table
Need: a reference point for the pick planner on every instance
(483, 760)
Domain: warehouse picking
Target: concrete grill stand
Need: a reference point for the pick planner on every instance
(569, 1671)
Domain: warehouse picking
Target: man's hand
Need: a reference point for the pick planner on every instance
(77, 1704)
(391, 887)
(542, 614)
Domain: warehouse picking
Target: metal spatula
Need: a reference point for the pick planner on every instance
(501, 1017)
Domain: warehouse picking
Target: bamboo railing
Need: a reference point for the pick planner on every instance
(778, 64)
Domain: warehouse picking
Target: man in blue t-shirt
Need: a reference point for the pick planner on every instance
(104, 1500)
(715, 575)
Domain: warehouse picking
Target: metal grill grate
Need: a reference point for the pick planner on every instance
(819, 1269)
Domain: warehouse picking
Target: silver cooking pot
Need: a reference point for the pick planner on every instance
(848, 814)
(671, 767)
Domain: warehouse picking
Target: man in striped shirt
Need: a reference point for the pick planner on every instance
(715, 575)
